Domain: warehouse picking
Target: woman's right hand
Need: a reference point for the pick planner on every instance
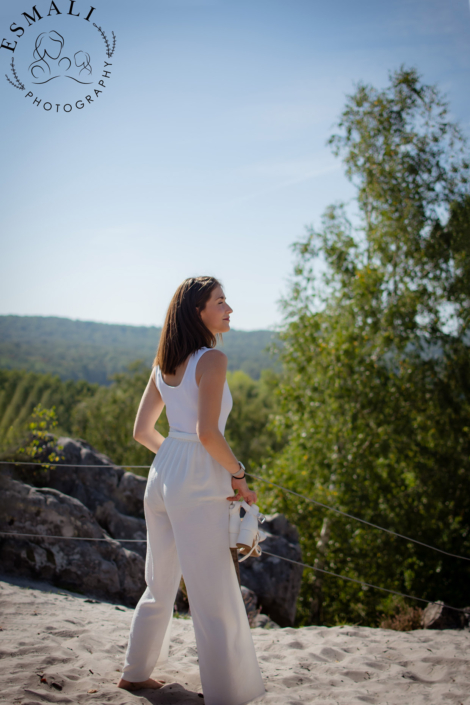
(248, 495)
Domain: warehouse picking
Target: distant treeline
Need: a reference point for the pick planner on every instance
(104, 415)
(95, 351)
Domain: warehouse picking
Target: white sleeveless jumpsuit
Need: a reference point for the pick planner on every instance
(187, 517)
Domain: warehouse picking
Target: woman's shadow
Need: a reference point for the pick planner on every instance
(171, 694)
(48, 66)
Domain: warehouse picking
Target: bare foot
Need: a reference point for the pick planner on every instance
(149, 683)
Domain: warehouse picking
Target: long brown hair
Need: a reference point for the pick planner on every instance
(183, 331)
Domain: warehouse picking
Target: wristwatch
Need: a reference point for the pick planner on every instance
(242, 467)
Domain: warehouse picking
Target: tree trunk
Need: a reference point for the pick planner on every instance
(316, 604)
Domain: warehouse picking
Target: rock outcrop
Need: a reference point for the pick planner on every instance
(276, 582)
(253, 611)
(104, 569)
(93, 486)
(107, 502)
(438, 616)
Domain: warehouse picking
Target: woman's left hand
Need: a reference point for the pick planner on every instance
(248, 495)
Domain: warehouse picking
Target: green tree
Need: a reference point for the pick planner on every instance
(21, 392)
(248, 426)
(106, 420)
(40, 443)
(375, 399)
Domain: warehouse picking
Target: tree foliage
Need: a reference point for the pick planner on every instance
(248, 429)
(376, 397)
(40, 442)
(106, 420)
(21, 392)
(104, 415)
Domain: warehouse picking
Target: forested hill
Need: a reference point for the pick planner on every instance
(94, 351)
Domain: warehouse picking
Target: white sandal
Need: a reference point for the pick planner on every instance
(234, 523)
(248, 536)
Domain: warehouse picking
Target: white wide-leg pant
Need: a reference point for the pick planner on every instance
(187, 516)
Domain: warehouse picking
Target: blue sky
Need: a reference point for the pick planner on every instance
(205, 153)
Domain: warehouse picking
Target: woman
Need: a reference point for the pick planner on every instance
(193, 475)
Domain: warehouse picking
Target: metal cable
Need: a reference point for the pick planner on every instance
(363, 521)
(72, 538)
(70, 465)
(361, 582)
(266, 553)
(269, 482)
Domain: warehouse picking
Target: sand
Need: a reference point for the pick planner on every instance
(57, 647)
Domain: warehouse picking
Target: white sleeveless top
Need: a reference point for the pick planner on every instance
(181, 401)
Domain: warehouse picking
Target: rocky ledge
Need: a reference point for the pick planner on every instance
(106, 502)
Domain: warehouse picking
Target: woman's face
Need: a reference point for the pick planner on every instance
(216, 313)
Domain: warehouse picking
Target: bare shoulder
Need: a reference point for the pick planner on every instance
(213, 359)
(212, 364)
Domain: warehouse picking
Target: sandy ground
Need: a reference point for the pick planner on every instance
(57, 647)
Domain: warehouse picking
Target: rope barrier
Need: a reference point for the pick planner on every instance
(363, 521)
(266, 553)
(269, 482)
(72, 538)
(361, 582)
(71, 465)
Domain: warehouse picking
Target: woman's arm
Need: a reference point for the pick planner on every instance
(210, 375)
(150, 407)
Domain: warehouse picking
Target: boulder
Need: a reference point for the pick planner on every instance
(123, 526)
(264, 622)
(253, 611)
(437, 616)
(95, 487)
(113, 500)
(251, 603)
(129, 494)
(91, 486)
(279, 525)
(276, 582)
(104, 569)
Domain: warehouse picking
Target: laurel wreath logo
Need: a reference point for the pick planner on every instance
(16, 83)
(109, 51)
